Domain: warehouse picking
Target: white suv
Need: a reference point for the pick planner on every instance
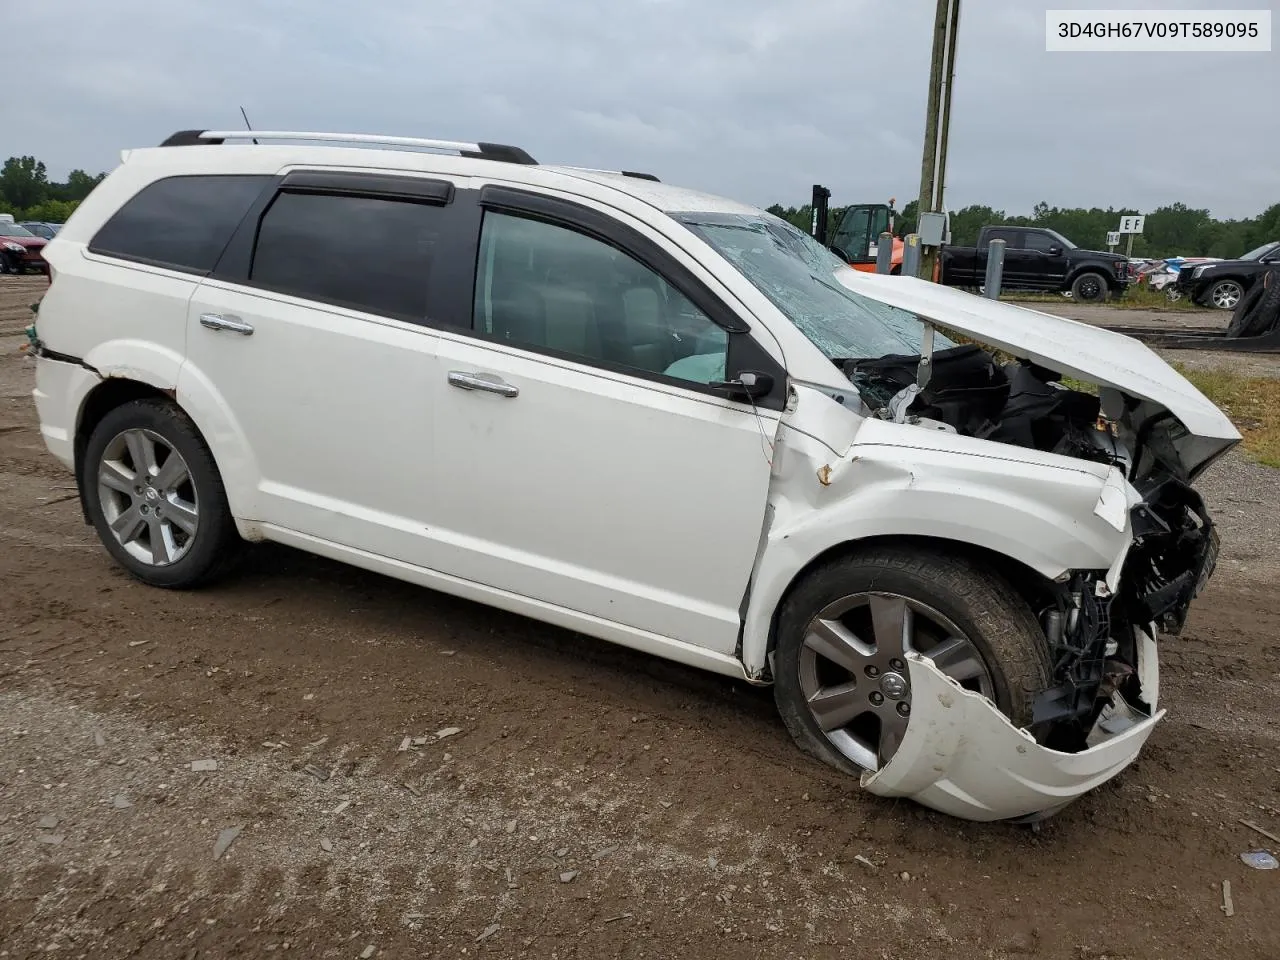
(658, 417)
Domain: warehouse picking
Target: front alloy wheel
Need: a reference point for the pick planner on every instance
(842, 679)
(853, 669)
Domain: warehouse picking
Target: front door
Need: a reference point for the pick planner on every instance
(585, 460)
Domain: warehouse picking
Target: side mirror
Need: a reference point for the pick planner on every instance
(749, 385)
(1055, 251)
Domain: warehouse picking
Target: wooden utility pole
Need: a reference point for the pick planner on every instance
(937, 122)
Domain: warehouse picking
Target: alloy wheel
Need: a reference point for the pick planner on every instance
(854, 675)
(1227, 294)
(148, 497)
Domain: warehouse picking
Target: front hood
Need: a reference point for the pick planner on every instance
(1069, 347)
(28, 242)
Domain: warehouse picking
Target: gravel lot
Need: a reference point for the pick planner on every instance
(592, 803)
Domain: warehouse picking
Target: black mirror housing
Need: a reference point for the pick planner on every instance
(749, 385)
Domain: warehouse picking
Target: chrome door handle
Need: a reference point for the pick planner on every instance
(488, 382)
(216, 321)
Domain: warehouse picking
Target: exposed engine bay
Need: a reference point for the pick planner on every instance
(1093, 636)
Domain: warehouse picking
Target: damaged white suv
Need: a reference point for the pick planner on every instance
(661, 418)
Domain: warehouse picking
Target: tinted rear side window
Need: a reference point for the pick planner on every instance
(368, 253)
(180, 222)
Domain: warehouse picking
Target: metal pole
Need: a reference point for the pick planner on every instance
(884, 253)
(995, 269)
(1128, 250)
(948, 83)
(937, 120)
(911, 255)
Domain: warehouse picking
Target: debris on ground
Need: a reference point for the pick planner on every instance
(1260, 860)
(864, 861)
(404, 744)
(621, 916)
(489, 931)
(313, 771)
(1228, 907)
(511, 826)
(52, 838)
(568, 876)
(138, 643)
(448, 732)
(121, 802)
(368, 952)
(340, 807)
(204, 766)
(225, 839)
(48, 822)
(98, 739)
(326, 845)
(602, 853)
(1257, 829)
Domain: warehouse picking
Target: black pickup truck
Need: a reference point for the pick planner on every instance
(1038, 259)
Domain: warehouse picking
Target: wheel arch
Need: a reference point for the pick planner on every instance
(1029, 583)
(108, 395)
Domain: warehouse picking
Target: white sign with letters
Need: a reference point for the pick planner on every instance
(1113, 238)
(1131, 224)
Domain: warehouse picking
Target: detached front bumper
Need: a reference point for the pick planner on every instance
(962, 756)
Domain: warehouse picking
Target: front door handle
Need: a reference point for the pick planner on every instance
(488, 382)
(216, 321)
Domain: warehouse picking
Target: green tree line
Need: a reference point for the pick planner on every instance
(1170, 231)
(27, 192)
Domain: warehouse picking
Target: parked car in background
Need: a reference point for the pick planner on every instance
(1224, 283)
(20, 249)
(40, 228)
(1036, 258)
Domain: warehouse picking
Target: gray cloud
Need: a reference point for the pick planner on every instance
(755, 99)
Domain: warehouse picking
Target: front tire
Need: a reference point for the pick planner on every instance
(841, 682)
(1089, 288)
(1225, 294)
(155, 497)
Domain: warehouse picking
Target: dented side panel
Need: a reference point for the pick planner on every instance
(962, 757)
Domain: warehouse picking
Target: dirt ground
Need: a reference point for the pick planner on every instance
(593, 802)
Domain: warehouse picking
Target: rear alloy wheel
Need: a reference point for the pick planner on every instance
(842, 681)
(1225, 294)
(154, 495)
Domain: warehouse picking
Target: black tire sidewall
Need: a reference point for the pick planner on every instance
(856, 575)
(170, 423)
(1083, 278)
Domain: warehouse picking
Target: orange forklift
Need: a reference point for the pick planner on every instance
(857, 235)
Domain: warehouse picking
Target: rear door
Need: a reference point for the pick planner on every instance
(584, 457)
(311, 346)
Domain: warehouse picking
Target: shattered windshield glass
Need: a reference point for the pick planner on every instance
(797, 273)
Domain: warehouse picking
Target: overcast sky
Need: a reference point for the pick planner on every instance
(754, 99)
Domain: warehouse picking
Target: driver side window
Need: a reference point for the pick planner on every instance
(548, 287)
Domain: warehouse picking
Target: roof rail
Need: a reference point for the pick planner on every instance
(475, 150)
(616, 173)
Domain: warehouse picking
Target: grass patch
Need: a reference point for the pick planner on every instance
(1252, 403)
(1135, 298)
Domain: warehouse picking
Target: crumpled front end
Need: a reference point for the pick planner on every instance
(963, 757)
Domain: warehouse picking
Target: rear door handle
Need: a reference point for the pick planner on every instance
(488, 382)
(216, 321)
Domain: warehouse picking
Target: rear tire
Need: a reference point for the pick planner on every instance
(154, 495)
(1090, 287)
(978, 627)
